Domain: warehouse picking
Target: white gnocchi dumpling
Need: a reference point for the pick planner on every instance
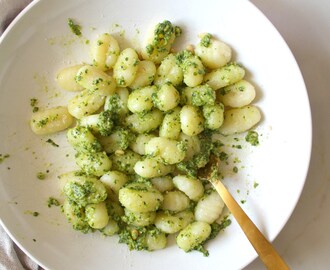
(193, 235)
(171, 151)
(85, 103)
(145, 74)
(93, 163)
(140, 198)
(140, 100)
(209, 207)
(193, 145)
(126, 67)
(213, 115)
(192, 187)
(51, 120)
(191, 119)
(171, 126)
(239, 120)
(97, 215)
(114, 180)
(163, 183)
(105, 51)
(169, 72)
(66, 78)
(172, 223)
(166, 98)
(95, 80)
(192, 67)
(237, 95)
(175, 201)
(146, 122)
(152, 167)
(140, 142)
(159, 41)
(213, 53)
(224, 76)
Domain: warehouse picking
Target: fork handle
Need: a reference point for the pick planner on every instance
(265, 250)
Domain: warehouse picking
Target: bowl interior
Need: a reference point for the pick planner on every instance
(39, 43)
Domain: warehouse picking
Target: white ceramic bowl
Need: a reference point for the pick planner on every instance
(39, 42)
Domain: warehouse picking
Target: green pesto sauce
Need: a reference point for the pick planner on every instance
(199, 160)
(75, 28)
(135, 239)
(206, 40)
(252, 137)
(51, 142)
(52, 201)
(41, 175)
(33, 104)
(3, 157)
(215, 230)
(255, 185)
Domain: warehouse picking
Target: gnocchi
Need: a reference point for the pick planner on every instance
(142, 126)
(51, 121)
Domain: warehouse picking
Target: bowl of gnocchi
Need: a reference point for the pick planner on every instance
(109, 111)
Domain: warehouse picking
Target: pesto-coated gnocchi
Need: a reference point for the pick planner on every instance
(171, 126)
(117, 103)
(156, 241)
(95, 80)
(97, 215)
(238, 94)
(145, 123)
(140, 219)
(140, 142)
(192, 187)
(169, 72)
(213, 115)
(126, 67)
(163, 183)
(175, 201)
(152, 167)
(193, 235)
(125, 161)
(171, 223)
(209, 207)
(193, 145)
(192, 67)
(191, 119)
(51, 120)
(213, 53)
(171, 151)
(224, 76)
(145, 74)
(111, 228)
(142, 126)
(240, 119)
(166, 98)
(83, 140)
(105, 51)
(85, 103)
(159, 41)
(140, 100)
(66, 78)
(140, 197)
(93, 163)
(114, 180)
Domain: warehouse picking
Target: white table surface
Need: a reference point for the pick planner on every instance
(305, 25)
